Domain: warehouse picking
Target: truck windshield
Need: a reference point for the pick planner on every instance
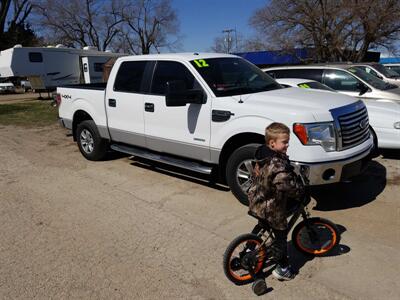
(233, 76)
(371, 79)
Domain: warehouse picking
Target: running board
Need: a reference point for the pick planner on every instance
(163, 158)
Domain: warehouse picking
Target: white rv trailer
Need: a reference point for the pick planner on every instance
(49, 67)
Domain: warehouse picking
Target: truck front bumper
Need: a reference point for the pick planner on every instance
(334, 171)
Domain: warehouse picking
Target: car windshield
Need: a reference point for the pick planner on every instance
(233, 76)
(394, 69)
(371, 79)
(385, 71)
(315, 85)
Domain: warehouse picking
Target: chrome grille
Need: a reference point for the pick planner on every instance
(354, 128)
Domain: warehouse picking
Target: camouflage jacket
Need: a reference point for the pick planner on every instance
(273, 182)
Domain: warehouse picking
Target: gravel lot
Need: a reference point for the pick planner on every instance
(121, 229)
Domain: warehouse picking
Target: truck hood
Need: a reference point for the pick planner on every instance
(299, 101)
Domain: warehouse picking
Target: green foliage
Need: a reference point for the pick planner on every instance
(28, 114)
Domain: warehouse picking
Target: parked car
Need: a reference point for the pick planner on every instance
(7, 87)
(208, 112)
(349, 80)
(384, 115)
(26, 85)
(380, 71)
(393, 67)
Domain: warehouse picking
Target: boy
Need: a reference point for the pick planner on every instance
(274, 181)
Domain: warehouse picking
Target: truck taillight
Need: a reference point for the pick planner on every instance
(58, 99)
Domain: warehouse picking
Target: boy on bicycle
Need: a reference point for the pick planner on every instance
(273, 183)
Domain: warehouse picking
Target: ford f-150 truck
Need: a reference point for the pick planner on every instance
(208, 112)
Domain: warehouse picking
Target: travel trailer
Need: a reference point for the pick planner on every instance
(49, 67)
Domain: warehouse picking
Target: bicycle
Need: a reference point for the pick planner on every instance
(247, 255)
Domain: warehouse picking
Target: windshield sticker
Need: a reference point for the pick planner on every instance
(351, 70)
(304, 86)
(201, 63)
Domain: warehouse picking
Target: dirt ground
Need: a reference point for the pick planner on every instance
(121, 229)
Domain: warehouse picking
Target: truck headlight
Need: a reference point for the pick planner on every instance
(396, 125)
(322, 134)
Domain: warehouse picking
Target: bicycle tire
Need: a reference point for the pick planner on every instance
(242, 275)
(325, 245)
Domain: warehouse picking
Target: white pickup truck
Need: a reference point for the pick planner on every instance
(208, 112)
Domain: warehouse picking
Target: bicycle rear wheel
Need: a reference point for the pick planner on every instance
(244, 254)
(316, 236)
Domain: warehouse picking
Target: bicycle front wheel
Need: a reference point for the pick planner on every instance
(243, 256)
(316, 236)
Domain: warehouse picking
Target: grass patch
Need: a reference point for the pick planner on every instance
(29, 114)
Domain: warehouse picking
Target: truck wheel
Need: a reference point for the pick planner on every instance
(90, 143)
(239, 169)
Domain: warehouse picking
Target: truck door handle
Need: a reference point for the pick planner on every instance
(112, 102)
(149, 107)
(221, 115)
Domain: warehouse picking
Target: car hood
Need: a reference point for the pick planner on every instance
(393, 94)
(297, 101)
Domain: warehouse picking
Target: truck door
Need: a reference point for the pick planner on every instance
(179, 130)
(124, 103)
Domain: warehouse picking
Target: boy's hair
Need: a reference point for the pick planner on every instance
(272, 131)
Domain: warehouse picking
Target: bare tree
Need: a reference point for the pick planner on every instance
(20, 11)
(237, 43)
(337, 29)
(149, 25)
(80, 22)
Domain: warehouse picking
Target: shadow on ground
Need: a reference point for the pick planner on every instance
(205, 180)
(360, 191)
(299, 259)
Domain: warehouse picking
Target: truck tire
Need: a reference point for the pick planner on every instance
(238, 171)
(90, 143)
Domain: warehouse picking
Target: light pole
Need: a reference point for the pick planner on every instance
(228, 38)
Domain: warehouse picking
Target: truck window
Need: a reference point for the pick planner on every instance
(129, 76)
(170, 71)
(341, 80)
(35, 57)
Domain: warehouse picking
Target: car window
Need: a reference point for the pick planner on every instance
(385, 71)
(129, 76)
(370, 79)
(341, 80)
(312, 74)
(170, 71)
(370, 71)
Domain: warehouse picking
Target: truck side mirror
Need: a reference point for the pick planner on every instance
(176, 94)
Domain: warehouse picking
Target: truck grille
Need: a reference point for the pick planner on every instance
(354, 128)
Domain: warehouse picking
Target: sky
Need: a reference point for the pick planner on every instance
(201, 21)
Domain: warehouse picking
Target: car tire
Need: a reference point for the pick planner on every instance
(90, 143)
(239, 169)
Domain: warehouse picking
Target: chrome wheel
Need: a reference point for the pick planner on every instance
(87, 141)
(243, 174)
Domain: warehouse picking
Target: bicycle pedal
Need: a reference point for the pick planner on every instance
(259, 287)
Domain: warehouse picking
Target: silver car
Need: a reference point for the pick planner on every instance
(380, 71)
(346, 79)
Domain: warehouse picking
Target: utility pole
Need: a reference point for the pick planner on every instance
(228, 38)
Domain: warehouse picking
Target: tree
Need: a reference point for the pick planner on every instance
(336, 29)
(235, 42)
(79, 23)
(13, 26)
(148, 25)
